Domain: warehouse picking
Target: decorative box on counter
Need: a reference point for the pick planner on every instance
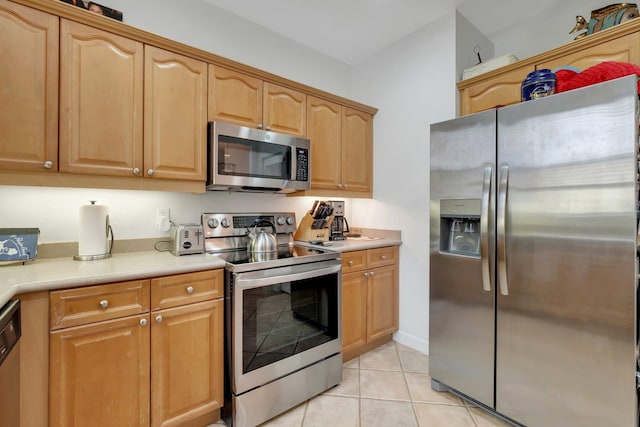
(18, 244)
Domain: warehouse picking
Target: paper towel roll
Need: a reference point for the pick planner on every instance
(92, 231)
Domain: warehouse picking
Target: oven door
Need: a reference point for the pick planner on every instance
(283, 319)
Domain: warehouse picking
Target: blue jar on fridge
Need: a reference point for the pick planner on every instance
(538, 84)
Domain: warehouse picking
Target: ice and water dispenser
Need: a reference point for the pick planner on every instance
(460, 226)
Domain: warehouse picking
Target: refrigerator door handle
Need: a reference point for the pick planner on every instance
(501, 229)
(484, 228)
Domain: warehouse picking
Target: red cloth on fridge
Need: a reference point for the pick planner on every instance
(609, 70)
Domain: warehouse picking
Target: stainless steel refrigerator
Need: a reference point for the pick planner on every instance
(533, 258)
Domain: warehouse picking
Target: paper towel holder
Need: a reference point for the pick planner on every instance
(109, 232)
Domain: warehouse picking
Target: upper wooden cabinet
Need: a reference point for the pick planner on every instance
(284, 110)
(357, 150)
(234, 97)
(502, 86)
(325, 132)
(29, 94)
(87, 101)
(175, 116)
(238, 98)
(341, 148)
(103, 91)
(491, 93)
(622, 49)
(101, 99)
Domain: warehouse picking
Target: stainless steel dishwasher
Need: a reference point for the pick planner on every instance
(10, 331)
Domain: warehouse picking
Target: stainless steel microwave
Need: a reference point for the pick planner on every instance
(246, 159)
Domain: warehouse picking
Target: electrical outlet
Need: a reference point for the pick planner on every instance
(163, 219)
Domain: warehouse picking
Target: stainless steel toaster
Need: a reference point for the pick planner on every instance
(187, 239)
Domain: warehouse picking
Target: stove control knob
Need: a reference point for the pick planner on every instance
(212, 223)
(224, 222)
(291, 220)
(280, 220)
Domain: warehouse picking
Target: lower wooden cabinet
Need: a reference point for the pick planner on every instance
(158, 367)
(100, 374)
(369, 299)
(186, 353)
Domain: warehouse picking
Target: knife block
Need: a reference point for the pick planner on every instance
(306, 233)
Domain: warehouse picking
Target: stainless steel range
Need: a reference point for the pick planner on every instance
(282, 316)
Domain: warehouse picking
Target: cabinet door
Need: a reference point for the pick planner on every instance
(354, 310)
(325, 132)
(382, 317)
(101, 83)
(175, 116)
(100, 374)
(187, 363)
(357, 150)
(622, 49)
(284, 110)
(29, 94)
(500, 90)
(234, 97)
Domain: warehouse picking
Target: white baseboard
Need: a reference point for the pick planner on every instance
(412, 341)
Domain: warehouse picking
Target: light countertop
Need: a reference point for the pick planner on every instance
(355, 244)
(59, 273)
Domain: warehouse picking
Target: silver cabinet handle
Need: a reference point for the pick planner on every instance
(345, 186)
(350, 262)
(150, 172)
(48, 164)
(339, 185)
(136, 171)
(501, 229)
(484, 228)
(143, 322)
(366, 274)
(104, 303)
(159, 318)
(371, 273)
(260, 126)
(384, 257)
(189, 289)
(268, 127)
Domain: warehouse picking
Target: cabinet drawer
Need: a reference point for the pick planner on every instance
(79, 306)
(353, 261)
(180, 289)
(382, 256)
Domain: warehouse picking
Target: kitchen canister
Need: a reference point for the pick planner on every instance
(538, 84)
(94, 231)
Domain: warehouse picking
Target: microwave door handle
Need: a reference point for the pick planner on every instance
(501, 229)
(484, 228)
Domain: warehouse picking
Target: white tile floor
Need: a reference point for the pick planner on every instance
(389, 386)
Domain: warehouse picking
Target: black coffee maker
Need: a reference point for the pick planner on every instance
(339, 225)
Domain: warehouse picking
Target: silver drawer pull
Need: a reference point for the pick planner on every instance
(384, 257)
(366, 274)
(371, 273)
(351, 262)
(159, 318)
(143, 322)
(190, 289)
(104, 303)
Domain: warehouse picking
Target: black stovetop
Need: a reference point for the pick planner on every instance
(243, 260)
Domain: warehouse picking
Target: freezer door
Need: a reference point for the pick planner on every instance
(566, 258)
(461, 305)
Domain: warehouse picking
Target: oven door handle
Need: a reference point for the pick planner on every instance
(257, 279)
